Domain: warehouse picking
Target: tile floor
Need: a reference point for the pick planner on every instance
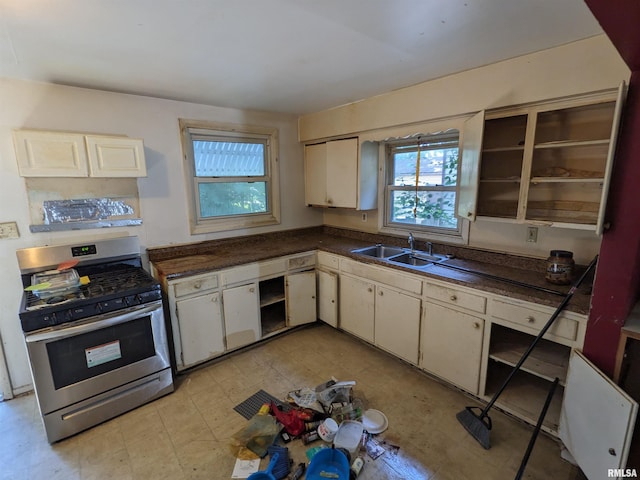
(186, 435)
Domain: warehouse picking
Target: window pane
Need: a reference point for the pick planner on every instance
(232, 198)
(228, 159)
(437, 167)
(435, 209)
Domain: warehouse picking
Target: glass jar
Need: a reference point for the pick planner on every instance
(560, 267)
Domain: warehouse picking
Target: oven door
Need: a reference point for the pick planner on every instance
(77, 362)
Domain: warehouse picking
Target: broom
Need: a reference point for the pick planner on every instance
(479, 424)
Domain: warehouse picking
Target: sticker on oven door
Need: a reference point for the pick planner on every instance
(103, 353)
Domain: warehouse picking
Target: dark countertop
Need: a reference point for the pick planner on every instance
(183, 260)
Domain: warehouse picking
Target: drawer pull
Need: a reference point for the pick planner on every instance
(453, 298)
(476, 325)
(197, 286)
(531, 319)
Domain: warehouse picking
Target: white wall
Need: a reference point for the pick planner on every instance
(581, 67)
(162, 192)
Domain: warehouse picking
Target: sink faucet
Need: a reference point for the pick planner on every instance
(429, 248)
(412, 242)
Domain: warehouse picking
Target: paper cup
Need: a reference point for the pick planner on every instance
(327, 430)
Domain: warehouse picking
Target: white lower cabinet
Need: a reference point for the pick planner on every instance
(241, 306)
(357, 307)
(300, 293)
(451, 345)
(328, 297)
(397, 323)
(201, 329)
(381, 315)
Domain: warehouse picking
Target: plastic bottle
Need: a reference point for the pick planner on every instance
(356, 468)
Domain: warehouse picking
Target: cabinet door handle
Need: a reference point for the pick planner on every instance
(252, 289)
(476, 325)
(380, 292)
(531, 319)
(369, 289)
(453, 298)
(333, 301)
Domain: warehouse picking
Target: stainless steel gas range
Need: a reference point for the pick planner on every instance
(94, 327)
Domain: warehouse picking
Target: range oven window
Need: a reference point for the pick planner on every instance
(90, 354)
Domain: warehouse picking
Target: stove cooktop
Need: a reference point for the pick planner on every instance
(110, 288)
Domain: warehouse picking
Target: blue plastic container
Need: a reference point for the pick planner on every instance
(328, 463)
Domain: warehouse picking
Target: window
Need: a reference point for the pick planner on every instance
(231, 175)
(421, 184)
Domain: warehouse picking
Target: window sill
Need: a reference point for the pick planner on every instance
(227, 224)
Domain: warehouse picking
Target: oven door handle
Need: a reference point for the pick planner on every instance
(102, 321)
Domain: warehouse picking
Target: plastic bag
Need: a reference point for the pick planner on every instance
(258, 435)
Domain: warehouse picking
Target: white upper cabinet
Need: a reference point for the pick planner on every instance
(337, 174)
(115, 156)
(62, 154)
(545, 164)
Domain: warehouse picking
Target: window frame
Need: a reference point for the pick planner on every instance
(386, 225)
(191, 130)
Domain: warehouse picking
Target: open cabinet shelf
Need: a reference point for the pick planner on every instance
(547, 360)
(525, 395)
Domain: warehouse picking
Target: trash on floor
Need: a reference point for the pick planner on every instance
(329, 414)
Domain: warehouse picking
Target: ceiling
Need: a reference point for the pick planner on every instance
(294, 56)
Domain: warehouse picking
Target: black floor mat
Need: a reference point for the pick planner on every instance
(251, 405)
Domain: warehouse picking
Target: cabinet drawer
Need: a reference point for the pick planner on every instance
(385, 275)
(195, 285)
(453, 296)
(534, 319)
(303, 261)
(328, 260)
(251, 271)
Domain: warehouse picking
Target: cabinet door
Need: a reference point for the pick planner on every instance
(596, 420)
(200, 329)
(397, 323)
(300, 292)
(451, 343)
(241, 306)
(315, 174)
(115, 156)
(470, 166)
(50, 154)
(328, 297)
(342, 173)
(357, 307)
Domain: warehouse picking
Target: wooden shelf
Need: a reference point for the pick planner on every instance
(525, 395)
(566, 180)
(501, 180)
(514, 148)
(548, 360)
(271, 298)
(571, 143)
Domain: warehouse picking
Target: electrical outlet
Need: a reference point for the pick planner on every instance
(9, 230)
(532, 234)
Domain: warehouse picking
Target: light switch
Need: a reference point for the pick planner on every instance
(9, 230)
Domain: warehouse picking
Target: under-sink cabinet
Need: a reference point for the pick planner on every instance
(386, 316)
(545, 164)
(216, 312)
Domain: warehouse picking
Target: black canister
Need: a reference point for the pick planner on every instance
(560, 267)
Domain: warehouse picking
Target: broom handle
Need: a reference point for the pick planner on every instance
(544, 329)
(536, 431)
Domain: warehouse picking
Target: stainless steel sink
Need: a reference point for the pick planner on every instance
(379, 251)
(411, 260)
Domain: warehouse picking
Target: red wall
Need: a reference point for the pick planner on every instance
(617, 282)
